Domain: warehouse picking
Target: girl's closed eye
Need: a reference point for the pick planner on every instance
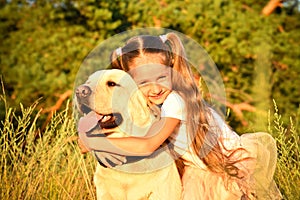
(162, 78)
(143, 83)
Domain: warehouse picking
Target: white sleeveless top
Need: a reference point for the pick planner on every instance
(174, 107)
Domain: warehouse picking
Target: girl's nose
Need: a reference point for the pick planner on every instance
(155, 89)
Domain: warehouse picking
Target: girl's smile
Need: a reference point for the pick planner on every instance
(158, 98)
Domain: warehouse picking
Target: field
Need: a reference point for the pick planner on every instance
(48, 165)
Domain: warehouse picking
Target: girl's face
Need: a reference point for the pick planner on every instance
(153, 79)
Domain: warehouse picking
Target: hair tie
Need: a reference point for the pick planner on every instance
(163, 38)
(119, 51)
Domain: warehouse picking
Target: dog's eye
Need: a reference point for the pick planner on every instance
(111, 84)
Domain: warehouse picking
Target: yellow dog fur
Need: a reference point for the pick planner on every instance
(132, 181)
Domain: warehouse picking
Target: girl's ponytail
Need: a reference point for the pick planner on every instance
(180, 63)
(116, 59)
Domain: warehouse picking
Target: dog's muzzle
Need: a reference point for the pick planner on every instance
(107, 121)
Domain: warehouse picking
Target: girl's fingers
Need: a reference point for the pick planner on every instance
(104, 157)
(120, 158)
(116, 159)
(104, 161)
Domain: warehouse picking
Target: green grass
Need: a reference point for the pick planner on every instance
(48, 165)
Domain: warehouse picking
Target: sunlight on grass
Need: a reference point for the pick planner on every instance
(287, 175)
(48, 165)
(43, 165)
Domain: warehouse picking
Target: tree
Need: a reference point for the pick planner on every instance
(44, 43)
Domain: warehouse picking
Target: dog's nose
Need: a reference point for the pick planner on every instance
(83, 91)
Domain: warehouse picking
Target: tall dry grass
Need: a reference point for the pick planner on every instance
(287, 174)
(48, 165)
(43, 165)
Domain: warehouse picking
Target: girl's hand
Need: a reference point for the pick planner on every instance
(83, 148)
(109, 159)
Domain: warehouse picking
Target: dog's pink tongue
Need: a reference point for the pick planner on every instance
(88, 122)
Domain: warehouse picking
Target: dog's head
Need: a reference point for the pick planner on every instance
(115, 97)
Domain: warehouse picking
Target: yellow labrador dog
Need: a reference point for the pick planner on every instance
(122, 109)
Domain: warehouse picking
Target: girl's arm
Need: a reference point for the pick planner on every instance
(134, 146)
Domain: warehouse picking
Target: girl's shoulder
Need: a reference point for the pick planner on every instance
(173, 106)
(174, 97)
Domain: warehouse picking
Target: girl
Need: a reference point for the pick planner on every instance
(218, 164)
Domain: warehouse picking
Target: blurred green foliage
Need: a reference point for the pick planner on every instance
(44, 43)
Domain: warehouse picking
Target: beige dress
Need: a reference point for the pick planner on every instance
(200, 183)
(257, 183)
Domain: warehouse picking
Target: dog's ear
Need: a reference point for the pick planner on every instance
(139, 111)
(132, 104)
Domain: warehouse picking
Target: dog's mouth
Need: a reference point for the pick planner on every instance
(111, 120)
(106, 121)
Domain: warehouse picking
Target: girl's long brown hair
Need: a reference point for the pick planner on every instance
(205, 142)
